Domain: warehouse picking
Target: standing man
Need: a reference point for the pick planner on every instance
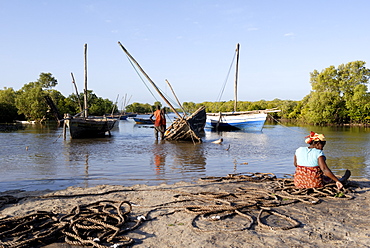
(159, 122)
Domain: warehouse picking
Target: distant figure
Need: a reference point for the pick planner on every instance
(159, 122)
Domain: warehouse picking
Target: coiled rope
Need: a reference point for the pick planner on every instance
(98, 224)
(104, 223)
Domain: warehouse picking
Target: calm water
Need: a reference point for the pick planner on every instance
(131, 156)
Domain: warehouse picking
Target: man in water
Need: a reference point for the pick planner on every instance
(159, 122)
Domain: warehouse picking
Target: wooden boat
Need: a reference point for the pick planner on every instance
(121, 116)
(89, 127)
(186, 128)
(127, 115)
(143, 121)
(237, 120)
(83, 126)
(189, 128)
(113, 117)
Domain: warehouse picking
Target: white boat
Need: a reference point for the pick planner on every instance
(237, 120)
(247, 120)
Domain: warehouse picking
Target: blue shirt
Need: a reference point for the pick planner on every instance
(308, 156)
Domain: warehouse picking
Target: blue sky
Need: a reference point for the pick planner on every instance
(189, 43)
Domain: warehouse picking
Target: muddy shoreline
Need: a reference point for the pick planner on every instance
(179, 215)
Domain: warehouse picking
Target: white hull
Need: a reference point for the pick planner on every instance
(236, 121)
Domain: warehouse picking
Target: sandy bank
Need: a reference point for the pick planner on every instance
(216, 213)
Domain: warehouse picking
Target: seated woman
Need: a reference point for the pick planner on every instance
(311, 168)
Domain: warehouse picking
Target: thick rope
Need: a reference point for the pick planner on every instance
(103, 223)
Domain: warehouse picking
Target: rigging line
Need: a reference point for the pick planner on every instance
(173, 102)
(141, 78)
(226, 79)
(284, 125)
(135, 68)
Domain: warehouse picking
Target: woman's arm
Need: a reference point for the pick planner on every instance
(327, 172)
(295, 160)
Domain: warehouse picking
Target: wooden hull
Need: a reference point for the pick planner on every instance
(125, 116)
(236, 121)
(143, 121)
(89, 127)
(188, 129)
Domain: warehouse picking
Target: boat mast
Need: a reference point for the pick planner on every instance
(178, 102)
(85, 90)
(151, 81)
(236, 78)
(77, 95)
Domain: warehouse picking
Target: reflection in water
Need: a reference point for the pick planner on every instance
(347, 147)
(244, 149)
(188, 157)
(159, 158)
(77, 155)
(177, 158)
(41, 152)
(127, 158)
(87, 170)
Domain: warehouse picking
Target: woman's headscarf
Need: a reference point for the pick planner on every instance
(314, 137)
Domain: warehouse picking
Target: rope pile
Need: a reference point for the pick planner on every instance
(99, 224)
(245, 176)
(6, 199)
(25, 231)
(220, 206)
(104, 223)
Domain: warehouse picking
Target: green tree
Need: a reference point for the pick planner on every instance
(296, 112)
(31, 103)
(359, 106)
(8, 110)
(157, 103)
(7, 95)
(30, 99)
(323, 108)
(100, 106)
(189, 107)
(285, 106)
(139, 108)
(47, 81)
(60, 102)
(337, 94)
(96, 105)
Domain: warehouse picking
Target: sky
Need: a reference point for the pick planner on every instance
(189, 43)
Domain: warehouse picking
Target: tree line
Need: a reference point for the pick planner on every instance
(29, 102)
(339, 95)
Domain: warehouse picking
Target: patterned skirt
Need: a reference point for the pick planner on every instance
(308, 177)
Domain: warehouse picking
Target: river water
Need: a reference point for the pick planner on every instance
(37, 157)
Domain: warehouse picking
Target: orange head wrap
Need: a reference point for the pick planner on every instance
(314, 137)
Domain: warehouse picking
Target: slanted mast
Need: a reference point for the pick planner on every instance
(236, 79)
